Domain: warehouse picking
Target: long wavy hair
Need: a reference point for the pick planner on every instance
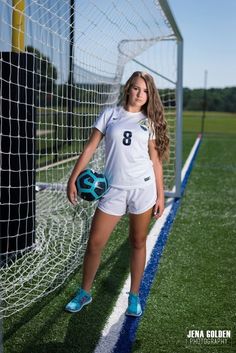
(154, 111)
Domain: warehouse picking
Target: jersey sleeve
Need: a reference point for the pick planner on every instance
(103, 119)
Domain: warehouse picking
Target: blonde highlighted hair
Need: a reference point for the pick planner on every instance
(154, 111)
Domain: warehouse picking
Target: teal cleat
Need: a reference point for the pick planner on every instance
(134, 307)
(81, 299)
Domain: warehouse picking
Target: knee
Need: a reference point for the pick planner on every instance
(138, 243)
(95, 246)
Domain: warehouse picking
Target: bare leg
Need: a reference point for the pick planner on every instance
(101, 229)
(138, 234)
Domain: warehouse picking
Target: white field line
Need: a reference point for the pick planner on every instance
(190, 157)
(113, 326)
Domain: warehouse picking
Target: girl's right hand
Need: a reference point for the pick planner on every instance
(81, 164)
(72, 192)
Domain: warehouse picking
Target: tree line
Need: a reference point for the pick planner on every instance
(213, 99)
(216, 99)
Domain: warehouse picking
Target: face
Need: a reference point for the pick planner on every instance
(138, 95)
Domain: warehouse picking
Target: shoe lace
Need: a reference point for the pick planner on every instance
(81, 298)
(133, 299)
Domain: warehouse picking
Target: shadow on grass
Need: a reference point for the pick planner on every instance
(79, 332)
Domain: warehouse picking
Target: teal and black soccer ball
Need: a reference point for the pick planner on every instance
(91, 186)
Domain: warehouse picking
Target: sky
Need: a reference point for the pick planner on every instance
(209, 31)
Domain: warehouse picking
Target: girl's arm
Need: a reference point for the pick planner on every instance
(158, 170)
(83, 160)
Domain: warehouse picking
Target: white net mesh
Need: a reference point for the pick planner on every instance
(75, 62)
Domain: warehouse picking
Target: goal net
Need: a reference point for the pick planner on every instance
(74, 60)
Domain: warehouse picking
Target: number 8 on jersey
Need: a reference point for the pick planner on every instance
(127, 138)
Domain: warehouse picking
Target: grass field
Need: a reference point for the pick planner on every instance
(195, 283)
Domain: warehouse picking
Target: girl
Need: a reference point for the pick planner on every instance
(136, 142)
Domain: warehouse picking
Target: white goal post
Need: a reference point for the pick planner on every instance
(61, 63)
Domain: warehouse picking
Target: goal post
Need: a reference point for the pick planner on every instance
(17, 143)
(179, 96)
(77, 57)
(17, 154)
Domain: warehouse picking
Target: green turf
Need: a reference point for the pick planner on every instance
(195, 282)
(46, 328)
(215, 122)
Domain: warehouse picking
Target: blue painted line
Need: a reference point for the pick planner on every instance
(130, 326)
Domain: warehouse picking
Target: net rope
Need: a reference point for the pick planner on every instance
(111, 40)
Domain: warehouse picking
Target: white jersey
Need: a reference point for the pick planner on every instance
(128, 164)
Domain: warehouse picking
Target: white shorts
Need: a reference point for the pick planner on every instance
(118, 202)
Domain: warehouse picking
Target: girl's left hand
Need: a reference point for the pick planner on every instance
(158, 208)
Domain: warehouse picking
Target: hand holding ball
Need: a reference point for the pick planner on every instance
(90, 185)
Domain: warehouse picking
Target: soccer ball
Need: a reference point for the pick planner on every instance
(90, 185)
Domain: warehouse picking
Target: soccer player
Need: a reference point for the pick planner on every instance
(136, 142)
